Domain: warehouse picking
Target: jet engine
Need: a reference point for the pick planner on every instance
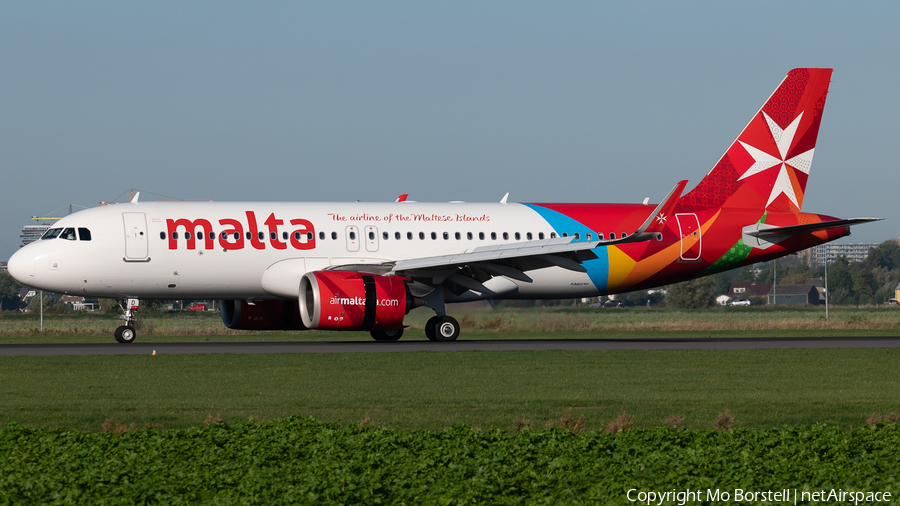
(348, 300)
(261, 315)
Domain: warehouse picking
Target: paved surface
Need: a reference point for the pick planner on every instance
(139, 348)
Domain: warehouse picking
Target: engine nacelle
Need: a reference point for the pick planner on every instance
(261, 315)
(348, 300)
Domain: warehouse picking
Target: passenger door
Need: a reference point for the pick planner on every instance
(136, 249)
(689, 229)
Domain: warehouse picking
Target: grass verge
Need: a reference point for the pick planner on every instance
(433, 390)
(568, 323)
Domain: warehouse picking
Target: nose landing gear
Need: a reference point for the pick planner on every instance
(126, 333)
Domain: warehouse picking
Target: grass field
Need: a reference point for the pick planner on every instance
(411, 456)
(432, 390)
(566, 323)
(762, 388)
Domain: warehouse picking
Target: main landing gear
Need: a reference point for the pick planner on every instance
(442, 328)
(386, 335)
(126, 333)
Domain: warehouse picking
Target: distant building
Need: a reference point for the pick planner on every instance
(79, 303)
(3, 267)
(794, 294)
(31, 233)
(818, 255)
(723, 300)
(746, 290)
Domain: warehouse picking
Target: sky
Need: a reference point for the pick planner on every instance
(343, 101)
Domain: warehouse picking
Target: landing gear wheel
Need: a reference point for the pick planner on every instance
(386, 335)
(125, 334)
(430, 327)
(446, 329)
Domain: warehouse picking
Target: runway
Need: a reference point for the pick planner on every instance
(206, 348)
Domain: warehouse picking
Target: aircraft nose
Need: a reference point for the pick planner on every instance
(21, 267)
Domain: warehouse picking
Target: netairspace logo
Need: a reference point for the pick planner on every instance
(784, 496)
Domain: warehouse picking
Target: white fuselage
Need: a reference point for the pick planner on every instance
(254, 250)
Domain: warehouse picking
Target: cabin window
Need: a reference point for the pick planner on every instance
(309, 236)
(553, 235)
(659, 236)
(175, 235)
(409, 236)
(334, 235)
(421, 236)
(249, 236)
(371, 235)
(599, 237)
(541, 236)
(518, 236)
(565, 234)
(469, 235)
(493, 236)
(397, 235)
(297, 235)
(224, 235)
(505, 236)
(385, 235)
(481, 235)
(263, 236)
(577, 236)
(433, 236)
(612, 236)
(321, 236)
(352, 236)
(284, 236)
(53, 233)
(84, 234)
(458, 236)
(446, 235)
(528, 236)
(162, 235)
(187, 235)
(589, 236)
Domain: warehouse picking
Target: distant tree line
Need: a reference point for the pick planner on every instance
(859, 283)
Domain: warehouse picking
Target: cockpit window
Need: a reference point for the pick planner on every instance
(53, 233)
(84, 234)
(68, 234)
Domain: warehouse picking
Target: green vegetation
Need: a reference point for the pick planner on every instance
(512, 323)
(434, 390)
(295, 460)
(9, 293)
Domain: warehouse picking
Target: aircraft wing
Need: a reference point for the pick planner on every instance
(471, 269)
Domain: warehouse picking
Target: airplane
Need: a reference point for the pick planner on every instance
(362, 266)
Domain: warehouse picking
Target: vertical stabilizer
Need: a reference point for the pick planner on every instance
(768, 165)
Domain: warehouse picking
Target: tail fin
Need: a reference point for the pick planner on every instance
(768, 165)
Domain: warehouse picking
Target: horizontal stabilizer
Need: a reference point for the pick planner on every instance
(809, 227)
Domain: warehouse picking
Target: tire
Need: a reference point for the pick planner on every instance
(430, 327)
(446, 329)
(125, 334)
(386, 335)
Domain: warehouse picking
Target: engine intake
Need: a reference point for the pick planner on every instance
(349, 300)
